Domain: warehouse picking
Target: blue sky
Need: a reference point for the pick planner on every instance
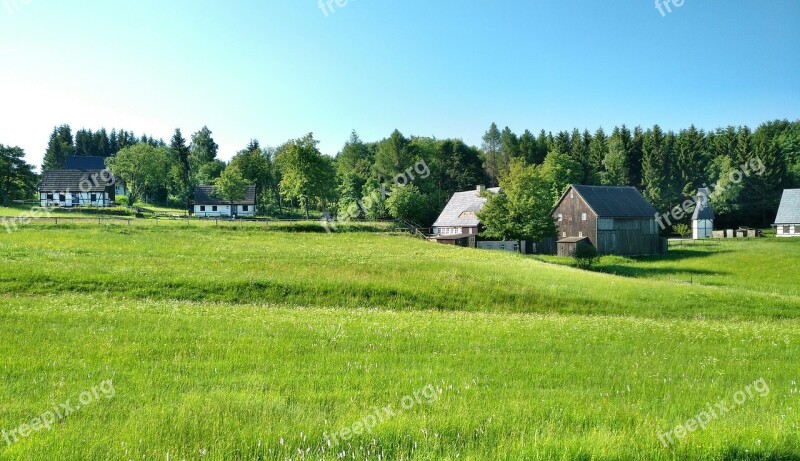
(275, 70)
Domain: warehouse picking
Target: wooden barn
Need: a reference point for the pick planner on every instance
(615, 220)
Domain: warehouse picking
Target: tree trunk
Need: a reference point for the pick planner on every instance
(307, 215)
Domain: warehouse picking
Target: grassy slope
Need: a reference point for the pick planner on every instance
(235, 378)
(355, 270)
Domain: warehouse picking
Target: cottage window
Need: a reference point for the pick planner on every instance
(560, 217)
(202, 208)
(245, 208)
(571, 194)
(49, 196)
(580, 234)
(94, 197)
(563, 234)
(62, 198)
(214, 208)
(583, 216)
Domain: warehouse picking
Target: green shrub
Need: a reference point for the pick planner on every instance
(682, 229)
(585, 255)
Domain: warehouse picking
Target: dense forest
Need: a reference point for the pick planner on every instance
(295, 177)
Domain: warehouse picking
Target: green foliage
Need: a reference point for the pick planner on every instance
(407, 203)
(17, 179)
(144, 169)
(585, 255)
(682, 229)
(231, 185)
(59, 148)
(522, 210)
(306, 174)
(560, 170)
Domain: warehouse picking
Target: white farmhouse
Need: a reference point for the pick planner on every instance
(208, 204)
(703, 217)
(787, 222)
(73, 187)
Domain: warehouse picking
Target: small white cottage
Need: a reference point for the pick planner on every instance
(787, 222)
(207, 204)
(703, 217)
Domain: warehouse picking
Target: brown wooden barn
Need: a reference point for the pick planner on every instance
(616, 220)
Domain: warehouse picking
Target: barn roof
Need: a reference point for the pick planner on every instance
(470, 201)
(78, 162)
(789, 211)
(702, 209)
(614, 201)
(74, 181)
(206, 195)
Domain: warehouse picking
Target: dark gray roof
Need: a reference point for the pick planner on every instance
(615, 202)
(469, 201)
(74, 181)
(789, 211)
(702, 209)
(572, 239)
(77, 162)
(206, 195)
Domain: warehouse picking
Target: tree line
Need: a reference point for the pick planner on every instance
(296, 178)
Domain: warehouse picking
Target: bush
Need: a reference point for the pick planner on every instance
(585, 255)
(682, 229)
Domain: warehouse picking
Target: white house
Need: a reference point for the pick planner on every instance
(703, 217)
(71, 188)
(787, 222)
(208, 204)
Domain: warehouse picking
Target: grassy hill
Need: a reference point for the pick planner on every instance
(243, 344)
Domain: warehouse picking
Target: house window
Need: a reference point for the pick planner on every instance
(786, 230)
(49, 196)
(202, 208)
(94, 197)
(571, 194)
(62, 198)
(214, 208)
(563, 234)
(580, 234)
(560, 217)
(583, 216)
(245, 208)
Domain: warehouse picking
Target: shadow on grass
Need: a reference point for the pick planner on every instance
(646, 272)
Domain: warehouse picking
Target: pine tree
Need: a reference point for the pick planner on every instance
(59, 148)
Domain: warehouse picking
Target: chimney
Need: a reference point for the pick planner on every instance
(479, 190)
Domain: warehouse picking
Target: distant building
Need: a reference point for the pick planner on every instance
(787, 222)
(458, 224)
(615, 220)
(85, 162)
(71, 188)
(703, 216)
(207, 204)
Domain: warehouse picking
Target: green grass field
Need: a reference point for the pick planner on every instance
(240, 343)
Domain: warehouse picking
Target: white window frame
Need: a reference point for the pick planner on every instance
(560, 217)
(583, 217)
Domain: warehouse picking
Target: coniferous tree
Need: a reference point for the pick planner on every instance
(59, 148)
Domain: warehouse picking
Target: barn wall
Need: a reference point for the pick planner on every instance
(571, 208)
(628, 236)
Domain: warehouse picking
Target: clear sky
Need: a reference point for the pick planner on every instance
(277, 69)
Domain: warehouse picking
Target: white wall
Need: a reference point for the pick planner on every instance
(701, 228)
(792, 231)
(223, 211)
(72, 199)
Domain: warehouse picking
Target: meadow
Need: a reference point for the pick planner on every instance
(245, 343)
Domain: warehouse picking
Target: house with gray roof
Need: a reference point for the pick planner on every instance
(615, 220)
(76, 187)
(703, 216)
(460, 217)
(208, 204)
(787, 222)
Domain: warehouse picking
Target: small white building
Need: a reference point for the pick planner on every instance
(208, 204)
(72, 187)
(703, 217)
(787, 222)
